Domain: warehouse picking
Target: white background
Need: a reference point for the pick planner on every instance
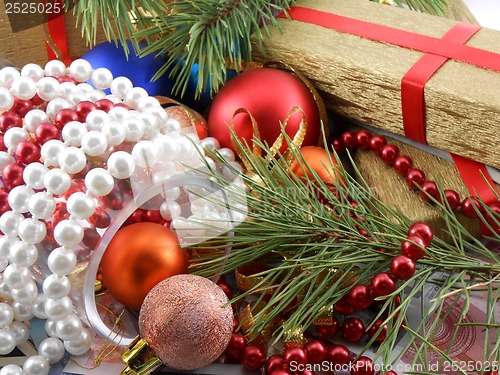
(487, 12)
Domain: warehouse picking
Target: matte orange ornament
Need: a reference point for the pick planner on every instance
(317, 159)
(138, 257)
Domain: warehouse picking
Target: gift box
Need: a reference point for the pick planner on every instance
(360, 76)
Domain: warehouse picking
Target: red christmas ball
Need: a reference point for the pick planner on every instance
(339, 355)
(297, 356)
(422, 230)
(316, 351)
(363, 366)
(328, 330)
(273, 363)
(382, 284)
(236, 346)
(411, 250)
(253, 358)
(360, 297)
(402, 267)
(353, 329)
(269, 95)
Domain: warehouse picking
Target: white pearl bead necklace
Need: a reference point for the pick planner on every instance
(158, 143)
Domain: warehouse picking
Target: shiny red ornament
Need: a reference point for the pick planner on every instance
(389, 153)
(372, 331)
(468, 209)
(377, 142)
(269, 95)
(338, 146)
(429, 190)
(2, 143)
(100, 218)
(13, 175)
(36, 100)
(412, 251)
(415, 177)
(27, 152)
(402, 267)
(453, 198)
(4, 201)
(402, 165)
(339, 355)
(253, 358)
(328, 330)
(344, 307)
(296, 355)
(422, 230)
(360, 297)
(353, 329)
(104, 105)
(21, 107)
(64, 116)
(363, 366)
(382, 284)
(316, 351)
(83, 109)
(273, 363)
(236, 346)
(9, 120)
(139, 257)
(152, 216)
(363, 138)
(45, 132)
(348, 140)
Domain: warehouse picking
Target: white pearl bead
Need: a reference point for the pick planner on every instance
(114, 132)
(120, 86)
(24, 88)
(34, 118)
(11, 370)
(147, 102)
(99, 182)
(19, 197)
(50, 324)
(68, 233)
(6, 99)
(232, 170)
(80, 70)
(16, 277)
(96, 119)
(120, 113)
(5, 291)
(69, 328)
(22, 312)
(48, 88)
(33, 71)
(36, 365)
(145, 154)
(94, 143)
(27, 294)
(6, 314)
(50, 152)
(210, 143)
(55, 68)
(72, 160)
(52, 349)
(32, 231)
(95, 95)
(102, 78)
(76, 97)
(9, 222)
(73, 132)
(57, 181)
(42, 205)
(160, 113)
(7, 342)
(55, 105)
(121, 164)
(38, 306)
(113, 98)
(33, 175)
(61, 261)
(6, 159)
(150, 125)
(170, 210)
(6, 244)
(24, 254)
(56, 287)
(67, 88)
(80, 345)
(227, 154)
(134, 95)
(80, 205)
(172, 194)
(134, 128)
(14, 136)
(58, 309)
(172, 126)
(8, 75)
(84, 87)
(21, 332)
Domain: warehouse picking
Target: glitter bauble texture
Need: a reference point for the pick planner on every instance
(185, 323)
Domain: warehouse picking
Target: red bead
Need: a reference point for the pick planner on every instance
(36, 100)
(236, 324)
(339, 355)
(64, 116)
(273, 363)
(344, 307)
(137, 216)
(2, 144)
(104, 105)
(453, 199)
(411, 250)
(83, 109)
(91, 238)
(429, 190)
(468, 207)
(389, 153)
(10, 120)
(363, 366)
(253, 358)
(21, 107)
(338, 146)
(236, 346)
(348, 140)
(377, 142)
(296, 355)
(226, 289)
(403, 267)
(4, 201)
(100, 218)
(402, 164)
(490, 217)
(363, 138)
(153, 216)
(27, 152)
(415, 177)
(375, 327)
(360, 297)
(382, 284)
(423, 231)
(280, 372)
(13, 175)
(328, 330)
(353, 329)
(316, 351)
(45, 132)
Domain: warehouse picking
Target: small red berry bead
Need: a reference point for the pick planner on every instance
(414, 178)
(353, 329)
(402, 267)
(348, 139)
(360, 297)
(453, 199)
(328, 330)
(377, 142)
(412, 248)
(468, 209)
(402, 165)
(363, 138)
(389, 153)
(429, 190)
(316, 350)
(382, 284)
(422, 230)
(253, 358)
(339, 355)
(273, 363)
(363, 366)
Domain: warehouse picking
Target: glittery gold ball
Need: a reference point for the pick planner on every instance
(185, 323)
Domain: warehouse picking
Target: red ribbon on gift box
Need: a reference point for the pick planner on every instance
(58, 48)
(437, 52)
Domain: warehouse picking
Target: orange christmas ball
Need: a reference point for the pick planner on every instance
(138, 257)
(317, 159)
